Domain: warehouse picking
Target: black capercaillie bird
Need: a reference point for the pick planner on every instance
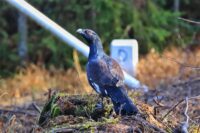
(105, 75)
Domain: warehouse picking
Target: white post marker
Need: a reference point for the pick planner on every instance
(125, 52)
(62, 34)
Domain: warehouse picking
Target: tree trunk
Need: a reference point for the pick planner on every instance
(22, 30)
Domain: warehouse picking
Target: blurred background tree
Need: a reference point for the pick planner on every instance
(153, 23)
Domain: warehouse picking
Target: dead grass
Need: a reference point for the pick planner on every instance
(36, 79)
(173, 64)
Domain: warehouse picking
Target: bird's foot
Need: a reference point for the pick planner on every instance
(99, 106)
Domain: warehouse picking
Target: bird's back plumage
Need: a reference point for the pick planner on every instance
(105, 71)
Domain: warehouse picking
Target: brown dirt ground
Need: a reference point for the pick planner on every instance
(158, 103)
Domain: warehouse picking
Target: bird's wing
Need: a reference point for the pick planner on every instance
(105, 72)
(116, 72)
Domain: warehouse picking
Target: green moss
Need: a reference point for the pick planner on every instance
(87, 125)
(75, 105)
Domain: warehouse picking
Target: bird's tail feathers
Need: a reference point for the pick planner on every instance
(122, 103)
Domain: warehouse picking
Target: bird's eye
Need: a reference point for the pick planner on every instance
(88, 32)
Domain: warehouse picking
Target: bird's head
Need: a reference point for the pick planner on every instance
(89, 35)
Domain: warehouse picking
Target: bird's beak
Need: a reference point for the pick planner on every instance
(80, 31)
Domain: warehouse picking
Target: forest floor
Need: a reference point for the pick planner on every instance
(172, 102)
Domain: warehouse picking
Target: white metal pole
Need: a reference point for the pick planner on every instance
(62, 34)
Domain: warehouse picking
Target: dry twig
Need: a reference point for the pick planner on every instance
(189, 21)
(36, 107)
(185, 124)
(172, 109)
(17, 112)
(194, 97)
(158, 103)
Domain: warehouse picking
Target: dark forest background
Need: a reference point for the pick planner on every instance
(153, 23)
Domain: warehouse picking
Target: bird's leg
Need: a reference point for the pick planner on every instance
(102, 102)
(100, 105)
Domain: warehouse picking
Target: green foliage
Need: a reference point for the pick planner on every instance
(153, 24)
(46, 111)
(8, 61)
(55, 111)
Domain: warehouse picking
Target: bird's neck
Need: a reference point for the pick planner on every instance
(96, 49)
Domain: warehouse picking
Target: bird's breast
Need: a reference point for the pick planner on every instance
(94, 70)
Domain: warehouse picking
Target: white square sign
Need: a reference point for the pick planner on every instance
(125, 52)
